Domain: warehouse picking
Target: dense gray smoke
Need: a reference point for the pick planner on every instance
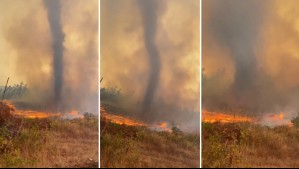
(235, 24)
(54, 16)
(259, 72)
(149, 18)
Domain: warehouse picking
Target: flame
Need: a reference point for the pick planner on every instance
(117, 119)
(32, 114)
(35, 114)
(280, 119)
(277, 117)
(269, 119)
(121, 120)
(212, 117)
(163, 125)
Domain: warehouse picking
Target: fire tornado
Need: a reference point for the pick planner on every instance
(149, 19)
(54, 18)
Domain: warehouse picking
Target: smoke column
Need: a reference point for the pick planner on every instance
(148, 10)
(54, 16)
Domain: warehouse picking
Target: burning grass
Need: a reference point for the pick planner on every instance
(249, 145)
(212, 117)
(138, 146)
(47, 142)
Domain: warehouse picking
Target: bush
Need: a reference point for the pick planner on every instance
(176, 130)
(295, 121)
(110, 94)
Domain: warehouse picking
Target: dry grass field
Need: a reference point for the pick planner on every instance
(132, 147)
(50, 142)
(248, 145)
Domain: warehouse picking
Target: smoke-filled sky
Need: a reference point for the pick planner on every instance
(251, 55)
(150, 50)
(28, 44)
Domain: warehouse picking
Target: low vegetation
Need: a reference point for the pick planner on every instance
(131, 146)
(249, 145)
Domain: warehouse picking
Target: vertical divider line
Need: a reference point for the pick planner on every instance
(99, 83)
(200, 80)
